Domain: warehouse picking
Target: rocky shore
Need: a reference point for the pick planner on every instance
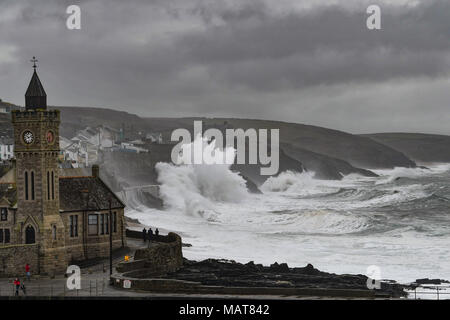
(229, 273)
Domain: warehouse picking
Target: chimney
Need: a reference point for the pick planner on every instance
(96, 171)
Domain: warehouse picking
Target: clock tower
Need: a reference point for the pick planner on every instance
(36, 139)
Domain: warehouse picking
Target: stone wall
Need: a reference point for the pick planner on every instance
(86, 246)
(159, 258)
(14, 257)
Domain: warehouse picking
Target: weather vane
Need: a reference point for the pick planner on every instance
(34, 60)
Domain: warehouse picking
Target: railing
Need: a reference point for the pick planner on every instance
(89, 288)
(433, 292)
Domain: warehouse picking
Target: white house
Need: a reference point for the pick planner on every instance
(6, 151)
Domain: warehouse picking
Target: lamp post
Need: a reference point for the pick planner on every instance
(85, 197)
(110, 241)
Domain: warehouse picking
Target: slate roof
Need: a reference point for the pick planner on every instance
(71, 190)
(35, 97)
(35, 88)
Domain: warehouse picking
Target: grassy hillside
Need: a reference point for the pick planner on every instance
(359, 151)
(424, 148)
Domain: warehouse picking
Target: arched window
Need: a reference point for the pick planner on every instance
(32, 185)
(54, 232)
(30, 235)
(48, 185)
(26, 185)
(53, 186)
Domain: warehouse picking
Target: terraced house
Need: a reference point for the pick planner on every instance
(51, 217)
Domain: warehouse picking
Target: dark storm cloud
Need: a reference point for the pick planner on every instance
(323, 46)
(308, 61)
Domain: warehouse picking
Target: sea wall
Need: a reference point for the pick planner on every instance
(14, 257)
(159, 258)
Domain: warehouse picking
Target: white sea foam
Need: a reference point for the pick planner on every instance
(302, 220)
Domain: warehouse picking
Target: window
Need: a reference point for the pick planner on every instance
(53, 186)
(107, 223)
(32, 185)
(48, 185)
(115, 222)
(26, 185)
(93, 224)
(74, 226)
(5, 236)
(102, 224)
(54, 232)
(4, 214)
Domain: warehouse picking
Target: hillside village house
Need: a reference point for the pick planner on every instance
(51, 217)
(6, 150)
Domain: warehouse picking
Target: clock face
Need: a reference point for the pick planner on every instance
(50, 137)
(28, 137)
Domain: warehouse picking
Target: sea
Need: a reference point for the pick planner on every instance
(398, 222)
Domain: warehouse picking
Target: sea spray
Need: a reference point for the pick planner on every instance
(194, 188)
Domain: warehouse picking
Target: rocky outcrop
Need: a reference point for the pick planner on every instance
(253, 171)
(324, 167)
(227, 273)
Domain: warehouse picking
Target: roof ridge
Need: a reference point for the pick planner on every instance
(76, 177)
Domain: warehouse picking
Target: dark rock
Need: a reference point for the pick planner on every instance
(283, 267)
(431, 281)
(229, 273)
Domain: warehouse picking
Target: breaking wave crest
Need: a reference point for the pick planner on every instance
(195, 188)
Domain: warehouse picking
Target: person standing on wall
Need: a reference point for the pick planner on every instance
(150, 234)
(144, 235)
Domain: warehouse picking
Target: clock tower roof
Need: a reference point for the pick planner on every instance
(35, 97)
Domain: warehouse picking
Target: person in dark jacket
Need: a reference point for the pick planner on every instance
(144, 234)
(156, 232)
(150, 234)
(24, 289)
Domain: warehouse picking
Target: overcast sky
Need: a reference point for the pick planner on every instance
(306, 61)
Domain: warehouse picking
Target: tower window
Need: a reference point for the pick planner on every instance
(32, 185)
(54, 232)
(26, 185)
(48, 185)
(53, 186)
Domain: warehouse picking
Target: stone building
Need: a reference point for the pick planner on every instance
(46, 220)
